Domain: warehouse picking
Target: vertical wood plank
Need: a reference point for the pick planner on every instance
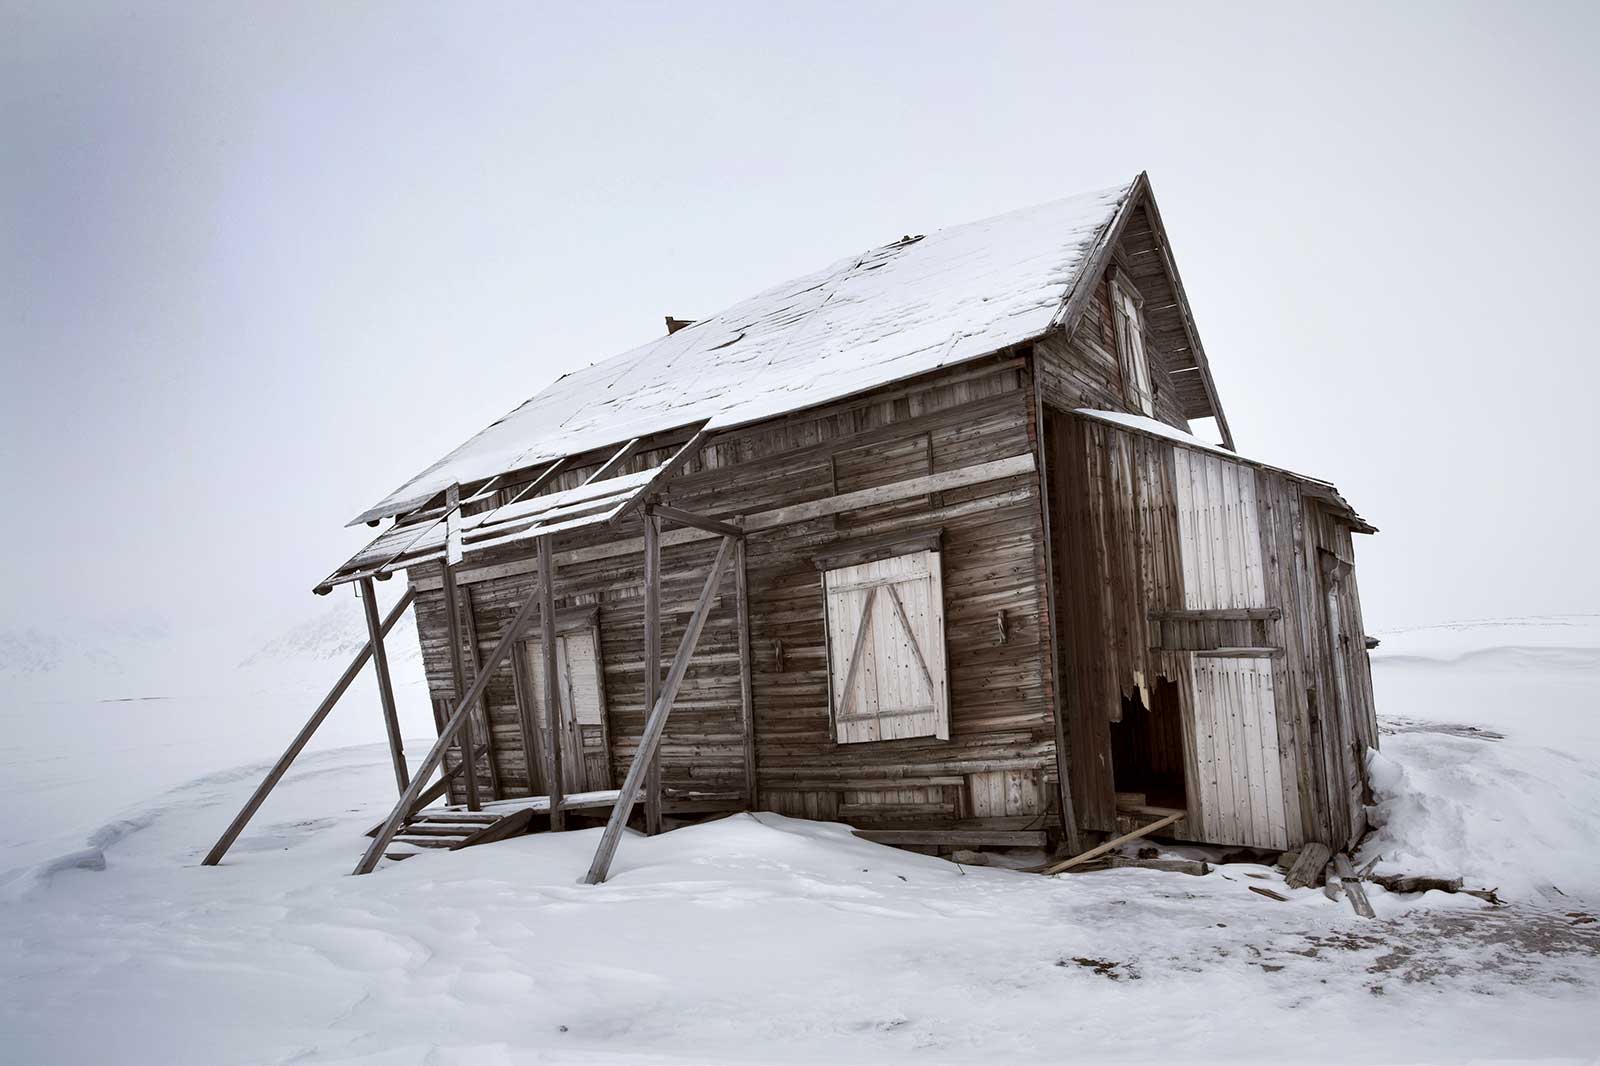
(747, 717)
(527, 706)
(554, 778)
(468, 743)
(380, 664)
(652, 661)
(481, 720)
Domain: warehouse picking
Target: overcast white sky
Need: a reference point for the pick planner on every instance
(261, 264)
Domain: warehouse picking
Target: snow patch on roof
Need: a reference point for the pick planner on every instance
(867, 321)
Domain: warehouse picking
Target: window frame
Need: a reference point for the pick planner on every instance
(922, 623)
(1139, 390)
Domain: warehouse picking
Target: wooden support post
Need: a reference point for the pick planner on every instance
(469, 629)
(1058, 683)
(380, 663)
(554, 783)
(220, 848)
(435, 755)
(656, 723)
(747, 716)
(652, 660)
(452, 619)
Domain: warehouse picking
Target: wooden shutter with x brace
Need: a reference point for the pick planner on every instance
(886, 655)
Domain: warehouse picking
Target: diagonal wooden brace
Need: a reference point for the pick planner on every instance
(656, 724)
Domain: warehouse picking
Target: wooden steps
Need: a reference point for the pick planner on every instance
(448, 831)
(454, 828)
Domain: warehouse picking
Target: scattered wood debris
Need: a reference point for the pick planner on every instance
(1306, 872)
(1407, 883)
(1280, 897)
(1194, 867)
(1352, 886)
(1412, 883)
(1111, 845)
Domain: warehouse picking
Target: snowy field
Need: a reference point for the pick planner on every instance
(764, 939)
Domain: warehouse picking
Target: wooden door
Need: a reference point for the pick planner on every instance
(580, 718)
(1238, 776)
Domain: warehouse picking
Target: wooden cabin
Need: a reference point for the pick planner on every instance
(973, 580)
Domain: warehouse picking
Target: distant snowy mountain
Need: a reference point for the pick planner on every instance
(113, 645)
(336, 630)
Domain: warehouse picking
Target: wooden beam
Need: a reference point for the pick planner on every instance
(1059, 705)
(452, 525)
(274, 775)
(847, 689)
(539, 482)
(994, 838)
(652, 661)
(1142, 831)
(1351, 883)
(977, 474)
(458, 679)
(469, 629)
(656, 723)
(380, 663)
(552, 684)
(435, 754)
(689, 518)
(622, 455)
(747, 715)
(1308, 865)
(668, 470)
(1221, 614)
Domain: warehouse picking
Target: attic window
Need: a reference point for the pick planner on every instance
(886, 654)
(1126, 316)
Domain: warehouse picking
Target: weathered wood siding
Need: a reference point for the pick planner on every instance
(1082, 369)
(999, 760)
(1145, 527)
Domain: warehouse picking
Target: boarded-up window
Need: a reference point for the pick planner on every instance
(886, 661)
(1131, 349)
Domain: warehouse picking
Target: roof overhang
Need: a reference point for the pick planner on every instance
(440, 534)
(1311, 486)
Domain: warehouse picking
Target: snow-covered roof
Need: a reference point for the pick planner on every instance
(866, 321)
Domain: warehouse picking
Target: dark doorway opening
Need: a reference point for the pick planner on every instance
(1147, 749)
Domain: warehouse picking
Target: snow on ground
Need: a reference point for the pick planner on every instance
(88, 727)
(765, 939)
(1521, 813)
